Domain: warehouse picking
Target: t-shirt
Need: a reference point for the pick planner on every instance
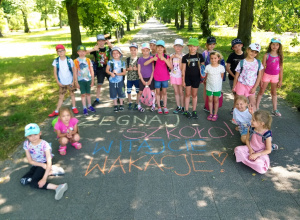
(133, 74)
(249, 75)
(38, 152)
(60, 126)
(243, 119)
(273, 66)
(65, 77)
(191, 61)
(101, 57)
(118, 66)
(234, 60)
(214, 79)
(84, 73)
(146, 71)
(176, 72)
(161, 72)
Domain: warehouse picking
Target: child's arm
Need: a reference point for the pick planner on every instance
(122, 73)
(43, 181)
(168, 62)
(264, 152)
(237, 74)
(151, 77)
(92, 74)
(140, 74)
(74, 76)
(75, 73)
(279, 84)
(109, 44)
(150, 60)
(252, 91)
(96, 48)
(183, 73)
(60, 135)
(251, 151)
(228, 65)
(113, 74)
(55, 76)
(32, 162)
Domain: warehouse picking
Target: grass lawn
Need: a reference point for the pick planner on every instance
(27, 85)
(291, 76)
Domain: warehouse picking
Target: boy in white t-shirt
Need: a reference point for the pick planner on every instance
(63, 73)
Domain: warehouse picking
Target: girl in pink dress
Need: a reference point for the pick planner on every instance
(67, 130)
(259, 143)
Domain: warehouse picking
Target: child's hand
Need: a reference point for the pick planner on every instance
(233, 89)
(135, 68)
(92, 83)
(130, 68)
(252, 91)
(155, 58)
(250, 109)
(77, 86)
(60, 85)
(237, 128)
(144, 83)
(96, 47)
(279, 84)
(253, 156)
(41, 183)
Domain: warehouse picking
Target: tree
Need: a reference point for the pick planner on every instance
(204, 24)
(190, 8)
(47, 7)
(245, 21)
(25, 6)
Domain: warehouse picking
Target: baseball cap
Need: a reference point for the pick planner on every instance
(255, 46)
(178, 42)
(193, 42)
(276, 40)
(236, 41)
(81, 47)
(60, 46)
(100, 37)
(134, 45)
(117, 49)
(145, 46)
(32, 128)
(160, 43)
(211, 40)
(153, 41)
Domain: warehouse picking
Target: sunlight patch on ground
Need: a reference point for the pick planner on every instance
(286, 176)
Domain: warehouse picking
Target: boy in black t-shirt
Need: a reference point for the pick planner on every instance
(233, 60)
(102, 55)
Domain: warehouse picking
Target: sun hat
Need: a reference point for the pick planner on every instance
(100, 37)
(145, 46)
(32, 128)
(81, 47)
(236, 41)
(117, 49)
(60, 46)
(276, 40)
(193, 42)
(211, 40)
(153, 41)
(255, 46)
(160, 43)
(178, 42)
(134, 45)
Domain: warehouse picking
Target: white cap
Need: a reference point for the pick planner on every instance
(178, 42)
(255, 46)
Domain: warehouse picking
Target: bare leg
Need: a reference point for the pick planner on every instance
(73, 99)
(274, 95)
(164, 95)
(176, 92)
(187, 97)
(252, 101)
(88, 98)
(216, 104)
(60, 101)
(261, 93)
(83, 99)
(158, 97)
(194, 98)
(210, 104)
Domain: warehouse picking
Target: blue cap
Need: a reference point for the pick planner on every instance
(160, 43)
(276, 40)
(32, 128)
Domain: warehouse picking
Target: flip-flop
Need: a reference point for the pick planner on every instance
(214, 118)
(209, 117)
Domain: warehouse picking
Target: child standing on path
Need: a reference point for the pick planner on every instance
(273, 61)
(38, 154)
(233, 60)
(102, 56)
(116, 69)
(176, 75)
(161, 74)
(84, 74)
(214, 78)
(191, 76)
(132, 75)
(248, 74)
(145, 74)
(67, 130)
(258, 143)
(63, 73)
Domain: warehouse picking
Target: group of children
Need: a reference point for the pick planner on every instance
(153, 70)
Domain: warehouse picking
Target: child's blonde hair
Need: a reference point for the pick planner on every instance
(263, 116)
(242, 98)
(217, 54)
(63, 109)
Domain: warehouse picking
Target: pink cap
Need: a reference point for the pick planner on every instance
(60, 46)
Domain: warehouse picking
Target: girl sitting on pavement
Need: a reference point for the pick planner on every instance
(67, 130)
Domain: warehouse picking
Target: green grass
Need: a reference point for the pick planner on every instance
(290, 89)
(28, 90)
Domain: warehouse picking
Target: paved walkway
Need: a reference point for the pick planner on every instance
(148, 166)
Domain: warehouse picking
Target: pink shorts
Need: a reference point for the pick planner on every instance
(176, 81)
(270, 78)
(242, 89)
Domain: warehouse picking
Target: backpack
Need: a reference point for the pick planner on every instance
(220, 101)
(264, 136)
(76, 63)
(221, 63)
(128, 61)
(242, 63)
(69, 65)
(165, 56)
(147, 97)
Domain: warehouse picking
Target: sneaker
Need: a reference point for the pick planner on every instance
(276, 113)
(135, 107)
(166, 111)
(274, 147)
(75, 111)
(121, 108)
(53, 114)
(95, 103)
(91, 109)
(182, 110)
(177, 110)
(57, 171)
(188, 114)
(60, 190)
(159, 111)
(116, 108)
(85, 112)
(161, 103)
(25, 181)
(205, 109)
(130, 106)
(194, 115)
(231, 111)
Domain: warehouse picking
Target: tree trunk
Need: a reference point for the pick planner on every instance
(1, 35)
(122, 31)
(245, 21)
(182, 18)
(26, 27)
(46, 26)
(60, 19)
(206, 32)
(128, 25)
(191, 6)
(74, 26)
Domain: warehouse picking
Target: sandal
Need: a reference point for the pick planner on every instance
(62, 150)
(214, 118)
(141, 109)
(76, 145)
(159, 111)
(209, 117)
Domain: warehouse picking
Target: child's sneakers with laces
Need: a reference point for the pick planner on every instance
(54, 113)
(182, 110)
(75, 111)
(135, 107)
(276, 113)
(95, 103)
(274, 147)
(116, 108)
(85, 112)
(60, 190)
(188, 114)
(159, 111)
(121, 108)
(91, 109)
(177, 110)
(130, 106)
(166, 111)
(205, 109)
(194, 115)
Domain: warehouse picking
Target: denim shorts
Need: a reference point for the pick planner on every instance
(161, 84)
(130, 83)
(116, 90)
